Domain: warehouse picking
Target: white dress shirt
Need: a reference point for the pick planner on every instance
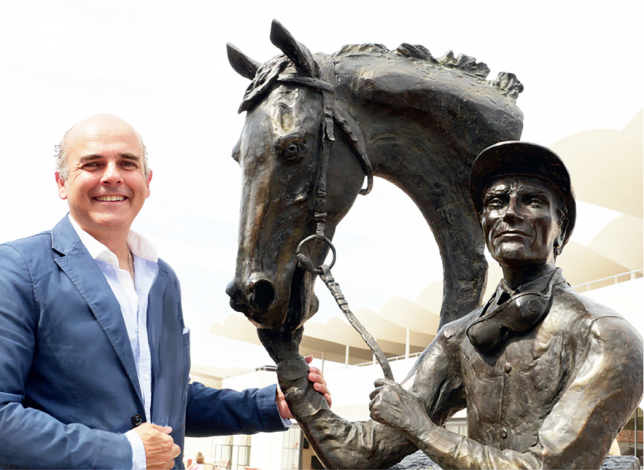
(132, 296)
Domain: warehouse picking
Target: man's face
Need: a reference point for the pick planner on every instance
(106, 184)
(520, 221)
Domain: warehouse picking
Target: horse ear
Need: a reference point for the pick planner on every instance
(297, 52)
(243, 65)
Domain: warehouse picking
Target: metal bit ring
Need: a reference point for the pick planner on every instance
(306, 261)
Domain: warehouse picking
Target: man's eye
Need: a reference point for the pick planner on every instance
(494, 203)
(536, 202)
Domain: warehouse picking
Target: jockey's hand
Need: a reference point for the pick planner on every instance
(398, 408)
(319, 384)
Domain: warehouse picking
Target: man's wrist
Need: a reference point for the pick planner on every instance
(138, 450)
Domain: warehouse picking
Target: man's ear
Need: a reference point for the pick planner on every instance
(559, 241)
(60, 181)
(147, 184)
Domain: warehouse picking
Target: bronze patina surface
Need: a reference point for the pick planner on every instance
(404, 115)
(548, 376)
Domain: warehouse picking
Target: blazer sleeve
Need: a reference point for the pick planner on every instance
(31, 438)
(214, 412)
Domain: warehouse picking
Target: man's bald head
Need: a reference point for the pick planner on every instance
(90, 125)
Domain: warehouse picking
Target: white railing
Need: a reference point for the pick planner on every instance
(617, 278)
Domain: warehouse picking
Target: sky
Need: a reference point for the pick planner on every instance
(162, 66)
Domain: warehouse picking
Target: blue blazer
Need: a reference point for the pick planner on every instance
(68, 382)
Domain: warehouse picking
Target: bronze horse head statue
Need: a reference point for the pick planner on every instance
(317, 125)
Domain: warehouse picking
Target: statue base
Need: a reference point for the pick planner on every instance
(419, 461)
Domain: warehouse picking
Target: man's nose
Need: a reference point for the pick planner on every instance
(111, 175)
(512, 211)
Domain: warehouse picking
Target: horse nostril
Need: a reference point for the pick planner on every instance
(262, 295)
(233, 290)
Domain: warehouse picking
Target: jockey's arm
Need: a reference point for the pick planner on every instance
(339, 443)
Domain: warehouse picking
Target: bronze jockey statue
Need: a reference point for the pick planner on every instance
(548, 376)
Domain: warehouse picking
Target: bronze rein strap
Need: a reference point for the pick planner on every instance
(331, 116)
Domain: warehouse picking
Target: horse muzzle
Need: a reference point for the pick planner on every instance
(259, 294)
(257, 299)
(267, 307)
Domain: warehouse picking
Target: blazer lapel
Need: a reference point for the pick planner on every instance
(76, 262)
(156, 327)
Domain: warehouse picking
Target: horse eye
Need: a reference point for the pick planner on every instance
(291, 151)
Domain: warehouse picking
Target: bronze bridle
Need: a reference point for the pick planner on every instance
(332, 115)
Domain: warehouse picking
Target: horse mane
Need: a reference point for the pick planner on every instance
(264, 78)
(507, 83)
(463, 62)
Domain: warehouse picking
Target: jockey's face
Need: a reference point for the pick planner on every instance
(520, 221)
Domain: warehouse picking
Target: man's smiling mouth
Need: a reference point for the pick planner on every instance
(110, 198)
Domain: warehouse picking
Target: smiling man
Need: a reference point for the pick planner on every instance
(548, 376)
(94, 352)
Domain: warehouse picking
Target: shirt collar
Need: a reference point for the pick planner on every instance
(539, 284)
(138, 245)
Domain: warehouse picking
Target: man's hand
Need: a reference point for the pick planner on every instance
(396, 407)
(160, 449)
(319, 384)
